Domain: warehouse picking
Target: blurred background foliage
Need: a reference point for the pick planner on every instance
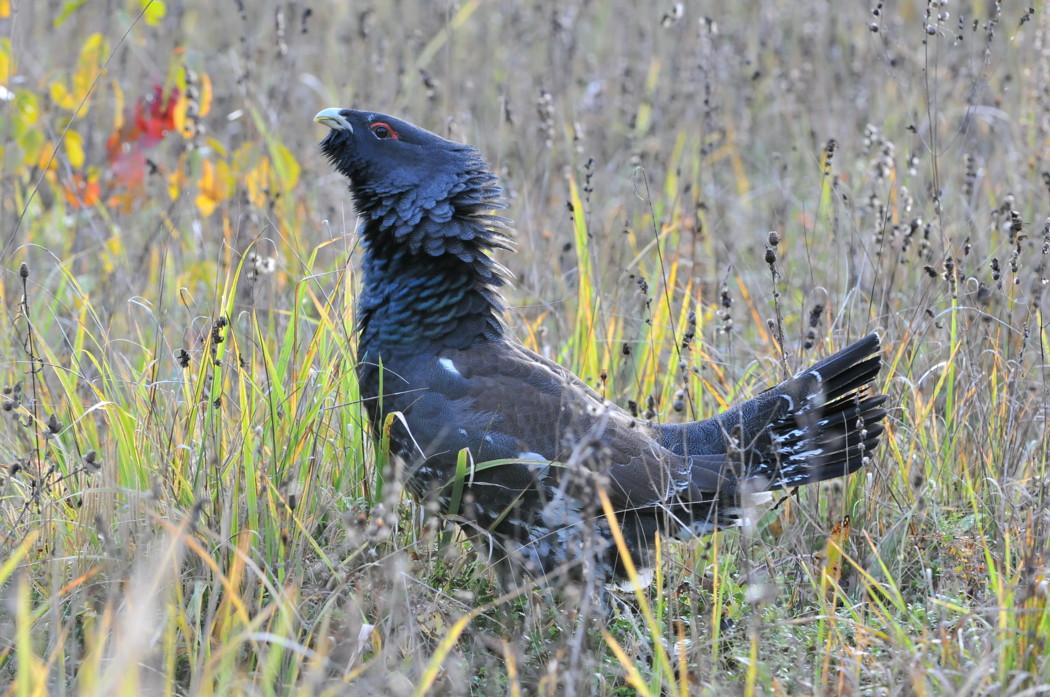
(188, 503)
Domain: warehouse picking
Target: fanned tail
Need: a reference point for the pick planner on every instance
(829, 422)
(817, 425)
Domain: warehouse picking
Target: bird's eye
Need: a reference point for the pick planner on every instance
(383, 131)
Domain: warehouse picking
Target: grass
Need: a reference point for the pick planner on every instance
(189, 503)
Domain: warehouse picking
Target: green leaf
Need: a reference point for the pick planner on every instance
(69, 8)
(459, 481)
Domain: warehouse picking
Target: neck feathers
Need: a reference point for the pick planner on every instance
(427, 270)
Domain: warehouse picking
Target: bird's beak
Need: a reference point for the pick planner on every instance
(334, 120)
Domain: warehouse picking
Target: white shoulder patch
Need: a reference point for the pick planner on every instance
(448, 365)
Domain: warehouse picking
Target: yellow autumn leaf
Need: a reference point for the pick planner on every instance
(153, 11)
(202, 100)
(205, 96)
(178, 116)
(177, 180)
(220, 149)
(61, 96)
(7, 62)
(206, 199)
(285, 166)
(118, 105)
(5, 9)
(833, 552)
(212, 187)
(257, 181)
(92, 57)
(74, 144)
(115, 250)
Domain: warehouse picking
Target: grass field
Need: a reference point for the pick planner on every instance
(189, 504)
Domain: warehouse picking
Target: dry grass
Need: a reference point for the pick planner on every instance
(188, 504)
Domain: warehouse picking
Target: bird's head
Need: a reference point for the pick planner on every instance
(415, 188)
(384, 156)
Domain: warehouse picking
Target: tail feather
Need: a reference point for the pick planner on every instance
(819, 424)
(834, 445)
(852, 379)
(825, 424)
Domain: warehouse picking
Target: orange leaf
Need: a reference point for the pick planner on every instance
(81, 192)
(45, 160)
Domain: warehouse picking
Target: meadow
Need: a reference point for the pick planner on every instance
(190, 503)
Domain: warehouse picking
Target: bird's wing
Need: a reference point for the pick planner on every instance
(504, 402)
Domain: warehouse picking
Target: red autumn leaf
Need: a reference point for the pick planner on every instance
(147, 124)
(159, 119)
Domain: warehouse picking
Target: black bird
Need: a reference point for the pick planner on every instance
(433, 347)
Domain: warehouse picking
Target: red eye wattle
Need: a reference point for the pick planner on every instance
(383, 130)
